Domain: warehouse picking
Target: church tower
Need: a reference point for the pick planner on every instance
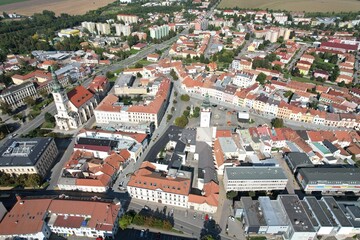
(205, 114)
(60, 96)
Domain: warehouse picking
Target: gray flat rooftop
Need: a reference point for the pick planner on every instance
(255, 173)
(253, 212)
(327, 213)
(337, 212)
(22, 151)
(317, 211)
(227, 144)
(273, 213)
(331, 175)
(310, 214)
(296, 213)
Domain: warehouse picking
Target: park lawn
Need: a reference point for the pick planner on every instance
(5, 2)
(145, 62)
(133, 51)
(48, 125)
(308, 80)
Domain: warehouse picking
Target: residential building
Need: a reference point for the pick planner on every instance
(103, 28)
(37, 218)
(28, 156)
(122, 30)
(158, 32)
(127, 18)
(254, 178)
(89, 26)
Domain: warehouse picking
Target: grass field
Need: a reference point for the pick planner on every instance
(296, 5)
(72, 7)
(5, 2)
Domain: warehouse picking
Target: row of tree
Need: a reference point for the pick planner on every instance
(24, 180)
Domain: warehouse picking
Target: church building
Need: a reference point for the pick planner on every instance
(73, 108)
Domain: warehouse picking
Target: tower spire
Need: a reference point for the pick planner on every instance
(56, 86)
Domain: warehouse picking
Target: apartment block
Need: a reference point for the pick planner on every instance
(158, 32)
(103, 28)
(127, 18)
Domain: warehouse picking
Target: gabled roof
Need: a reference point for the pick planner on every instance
(79, 96)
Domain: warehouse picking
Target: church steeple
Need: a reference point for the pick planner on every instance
(206, 103)
(56, 86)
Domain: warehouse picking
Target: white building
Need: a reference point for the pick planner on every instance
(158, 32)
(111, 111)
(14, 95)
(244, 80)
(73, 108)
(155, 183)
(254, 178)
(127, 18)
(122, 30)
(89, 26)
(103, 28)
(205, 113)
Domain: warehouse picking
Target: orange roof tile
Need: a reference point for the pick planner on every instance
(79, 96)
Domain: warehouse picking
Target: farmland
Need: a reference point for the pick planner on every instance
(295, 5)
(4, 2)
(72, 7)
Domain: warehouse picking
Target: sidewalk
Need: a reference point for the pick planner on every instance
(158, 230)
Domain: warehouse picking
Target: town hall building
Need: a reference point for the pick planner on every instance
(73, 108)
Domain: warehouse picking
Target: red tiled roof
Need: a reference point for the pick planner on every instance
(79, 96)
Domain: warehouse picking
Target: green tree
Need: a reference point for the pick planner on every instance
(125, 221)
(29, 101)
(185, 97)
(208, 237)
(231, 194)
(139, 219)
(181, 121)
(247, 36)
(49, 118)
(287, 94)
(138, 65)
(261, 78)
(173, 74)
(33, 180)
(5, 108)
(186, 113)
(109, 75)
(277, 122)
(168, 117)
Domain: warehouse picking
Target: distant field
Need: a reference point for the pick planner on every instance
(296, 5)
(4, 2)
(73, 7)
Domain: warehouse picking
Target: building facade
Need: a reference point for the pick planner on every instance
(28, 156)
(73, 108)
(254, 178)
(14, 95)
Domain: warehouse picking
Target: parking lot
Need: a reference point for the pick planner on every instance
(135, 234)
